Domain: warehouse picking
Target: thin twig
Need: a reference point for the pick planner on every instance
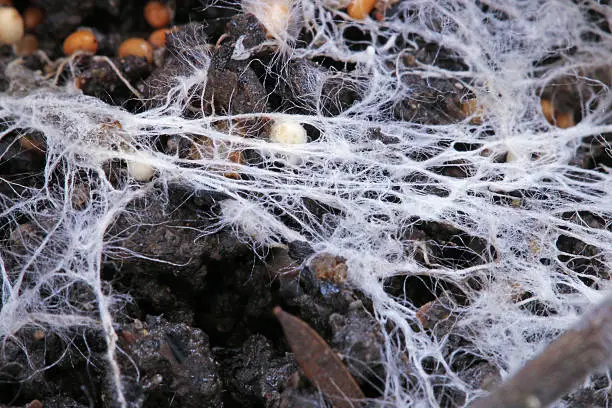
(563, 364)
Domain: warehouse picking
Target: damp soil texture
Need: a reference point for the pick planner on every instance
(199, 329)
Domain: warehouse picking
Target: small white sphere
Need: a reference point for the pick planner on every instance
(140, 171)
(11, 25)
(511, 157)
(288, 132)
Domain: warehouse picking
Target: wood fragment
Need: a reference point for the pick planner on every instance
(320, 363)
(563, 364)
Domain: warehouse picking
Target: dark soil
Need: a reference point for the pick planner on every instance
(204, 334)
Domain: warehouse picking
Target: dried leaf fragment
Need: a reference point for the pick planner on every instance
(431, 313)
(471, 108)
(319, 362)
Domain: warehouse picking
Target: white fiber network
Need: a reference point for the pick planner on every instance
(503, 177)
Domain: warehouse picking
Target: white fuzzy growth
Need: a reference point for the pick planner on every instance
(288, 132)
(140, 169)
(279, 17)
(353, 173)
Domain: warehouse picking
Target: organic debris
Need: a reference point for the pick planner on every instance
(423, 183)
(319, 362)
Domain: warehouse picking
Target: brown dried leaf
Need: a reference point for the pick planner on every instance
(319, 362)
(431, 313)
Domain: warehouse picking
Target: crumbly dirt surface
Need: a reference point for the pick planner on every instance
(198, 330)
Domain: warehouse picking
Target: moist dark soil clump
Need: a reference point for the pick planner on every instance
(194, 311)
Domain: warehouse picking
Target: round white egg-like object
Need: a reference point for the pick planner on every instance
(11, 25)
(140, 171)
(288, 132)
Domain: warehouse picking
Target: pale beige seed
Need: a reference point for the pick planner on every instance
(11, 25)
